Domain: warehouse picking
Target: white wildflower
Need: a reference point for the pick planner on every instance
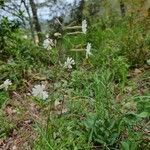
(38, 91)
(6, 84)
(68, 64)
(45, 95)
(48, 43)
(84, 26)
(88, 50)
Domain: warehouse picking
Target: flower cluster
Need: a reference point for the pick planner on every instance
(88, 50)
(39, 91)
(88, 47)
(48, 43)
(69, 62)
(6, 84)
(84, 26)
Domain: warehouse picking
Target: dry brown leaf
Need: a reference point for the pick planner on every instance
(137, 71)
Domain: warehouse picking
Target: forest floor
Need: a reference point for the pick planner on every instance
(22, 113)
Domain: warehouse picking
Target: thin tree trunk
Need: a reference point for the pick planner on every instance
(122, 8)
(80, 11)
(36, 21)
(30, 20)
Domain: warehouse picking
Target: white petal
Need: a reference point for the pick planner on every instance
(84, 26)
(45, 95)
(38, 91)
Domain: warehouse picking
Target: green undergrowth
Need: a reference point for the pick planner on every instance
(94, 117)
(99, 106)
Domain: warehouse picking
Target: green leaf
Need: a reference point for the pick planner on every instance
(3, 97)
(125, 146)
(143, 115)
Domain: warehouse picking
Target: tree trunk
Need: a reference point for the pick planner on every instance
(36, 21)
(30, 20)
(122, 8)
(79, 12)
